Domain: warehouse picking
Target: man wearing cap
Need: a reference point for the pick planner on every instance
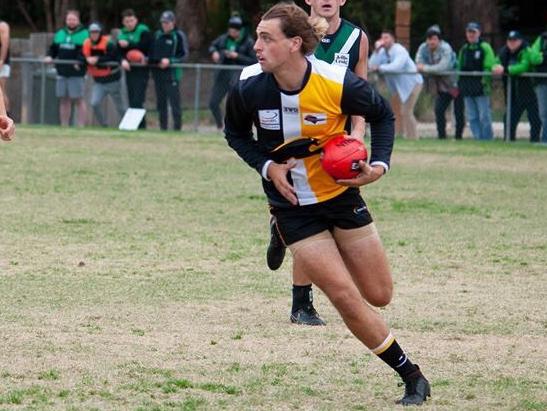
(433, 56)
(99, 51)
(476, 55)
(514, 59)
(135, 36)
(168, 47)
(539, 61)
(235, 47)
(67, 45)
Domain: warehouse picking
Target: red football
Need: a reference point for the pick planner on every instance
(135, 56)
(341, 156)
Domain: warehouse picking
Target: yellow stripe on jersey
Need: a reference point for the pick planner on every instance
(321, 118)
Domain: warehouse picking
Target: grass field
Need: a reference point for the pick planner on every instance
(132, 276)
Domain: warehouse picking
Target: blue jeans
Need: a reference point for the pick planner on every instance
(541, 92)
(477, 110)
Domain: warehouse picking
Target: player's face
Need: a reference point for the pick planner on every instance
(272, 47)
(167, 26)
(433, 42)
(325, 8)
(130, 22)
(72, 21)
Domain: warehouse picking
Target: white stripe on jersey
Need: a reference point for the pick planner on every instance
(330, 71)
(250, 71)
(292, 127)
(350, 41)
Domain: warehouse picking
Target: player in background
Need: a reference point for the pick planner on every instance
(344, 45)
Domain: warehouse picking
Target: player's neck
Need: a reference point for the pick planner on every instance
(334, 24)
(291, 75)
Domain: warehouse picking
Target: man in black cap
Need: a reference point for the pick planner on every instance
(234, 47)
(168, 47)
(514, 59)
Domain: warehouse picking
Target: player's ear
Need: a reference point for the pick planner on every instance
(296, 43)
(342, 2)
(308, 2)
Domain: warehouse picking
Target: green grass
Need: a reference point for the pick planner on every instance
(132, 276)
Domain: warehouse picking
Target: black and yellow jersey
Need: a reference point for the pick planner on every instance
(315, 113)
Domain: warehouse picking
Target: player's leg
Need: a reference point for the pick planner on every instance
(442, 101)
(303, 311)
(3, 81)
(320, 257)
(365, 258)
(275, 254)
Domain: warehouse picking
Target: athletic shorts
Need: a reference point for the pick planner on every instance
(346, 211)
(5, 71)
(72, 87)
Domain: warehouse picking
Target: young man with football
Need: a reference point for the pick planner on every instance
(325, 223)
(135, 36)
(344, 45)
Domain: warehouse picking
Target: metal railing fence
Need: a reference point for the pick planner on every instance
(31, 90)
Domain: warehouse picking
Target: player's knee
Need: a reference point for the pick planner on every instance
(381, 297)
(346, 302)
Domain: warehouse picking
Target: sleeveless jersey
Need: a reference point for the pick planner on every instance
(342, 47)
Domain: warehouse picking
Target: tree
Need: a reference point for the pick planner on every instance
(461, 12)
(192, 18)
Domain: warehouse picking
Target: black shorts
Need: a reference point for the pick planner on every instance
(346, 211)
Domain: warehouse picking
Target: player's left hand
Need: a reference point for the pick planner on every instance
(7, 128)
(369, 174)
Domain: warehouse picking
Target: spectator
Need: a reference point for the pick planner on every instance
(7, 127)
(476, 55)
(539, 60)
(135, 36)
(168, 46)
(235, 47)
(5, 69)
(402, 78)
(99, 51)
(513, 60)
(435, 55)
(67, 45)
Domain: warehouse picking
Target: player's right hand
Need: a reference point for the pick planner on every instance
(278, 174)
(7, 128)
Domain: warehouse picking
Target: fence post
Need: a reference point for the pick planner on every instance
(197, 91)
(507, 134)
(26, 92)
(42, 93)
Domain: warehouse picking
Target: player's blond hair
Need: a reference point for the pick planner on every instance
(295, 22)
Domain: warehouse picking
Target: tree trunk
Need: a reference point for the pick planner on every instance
(192, 18)
(485, 12)
(27, 17)
(50, 23)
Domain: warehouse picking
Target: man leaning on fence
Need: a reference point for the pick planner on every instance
(476, 55)
(67, 45)
(539, 61)
(434, 56)
(514, 59)
(392, 60)
(168, 47)
(103, 61)
(235, 47)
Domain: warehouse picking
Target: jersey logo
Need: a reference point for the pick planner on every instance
(315, 119)
(269, 119)
(341, 59)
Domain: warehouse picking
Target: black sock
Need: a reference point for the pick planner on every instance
(302, 297)
(393, 355)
